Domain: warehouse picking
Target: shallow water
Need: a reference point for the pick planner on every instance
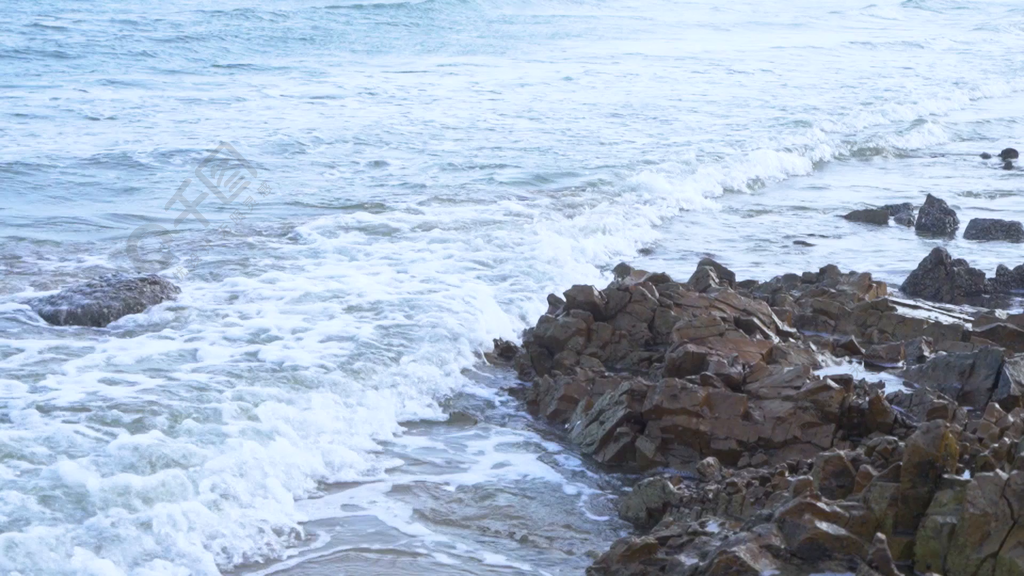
(434, 170)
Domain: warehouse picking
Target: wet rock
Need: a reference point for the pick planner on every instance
(608, 430)
(1009, 154)
(1007, 280)
(895, 209)
(936, 218)
(987, 229)
(940, 278)
(99, 302)
(970, 379)
(877, 216)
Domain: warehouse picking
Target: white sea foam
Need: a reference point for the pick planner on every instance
(438, 167)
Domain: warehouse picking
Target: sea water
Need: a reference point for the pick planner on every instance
(422, 175)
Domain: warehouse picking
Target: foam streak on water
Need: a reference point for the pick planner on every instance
(437, 168)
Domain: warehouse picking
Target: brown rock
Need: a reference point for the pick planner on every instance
(586, 298)
(983, 525)
(929, 453)
(813, 531)
(880, 558)
(833, 475)
(697, 328)
(1006, 335)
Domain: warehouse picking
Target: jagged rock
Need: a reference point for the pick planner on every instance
(880, 556)
(648, 501)
(608, 431)
(936, 218)
(929, 453)
(1007, 280)
(885, 355)
(795, 472)
(969, 379)
(587, 298)
(705, 278)
(877, 216)
(1006, 335)
(723, 273)
(987, 229)
(983, 525)
(833, 475)
(99, 302)
(1009, 391)
(940, 278)
(710, 469)
(813, 531)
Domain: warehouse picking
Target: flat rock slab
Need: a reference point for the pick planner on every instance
(99, 302)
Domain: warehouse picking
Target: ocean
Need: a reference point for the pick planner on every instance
(418, 176)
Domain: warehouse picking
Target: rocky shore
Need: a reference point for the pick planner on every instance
(764, 452)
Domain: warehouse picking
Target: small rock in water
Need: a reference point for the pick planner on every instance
(878, 216)
(99, 302)
(986, 156)
(994, 229)
(1009, 154)
(936, 218)
(802, 243)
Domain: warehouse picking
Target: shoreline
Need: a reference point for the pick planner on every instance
(762, 452)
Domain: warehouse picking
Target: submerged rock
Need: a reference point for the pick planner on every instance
(936, 218)
(940, 278)
(994, 229)
(99, 302)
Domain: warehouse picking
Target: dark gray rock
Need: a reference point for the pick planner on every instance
(877, 216)
(1009, 154)
(936, 218)
(724, 274)
(969, 379)
(902, 214)
(904, 219)
(895, 209)
(940, 278)
(1007, 280)
(99, 302)
(994, 229)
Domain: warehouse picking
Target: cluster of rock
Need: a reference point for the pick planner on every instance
(942, 278)
(775, 466)
(936, 219)
(99, 302)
